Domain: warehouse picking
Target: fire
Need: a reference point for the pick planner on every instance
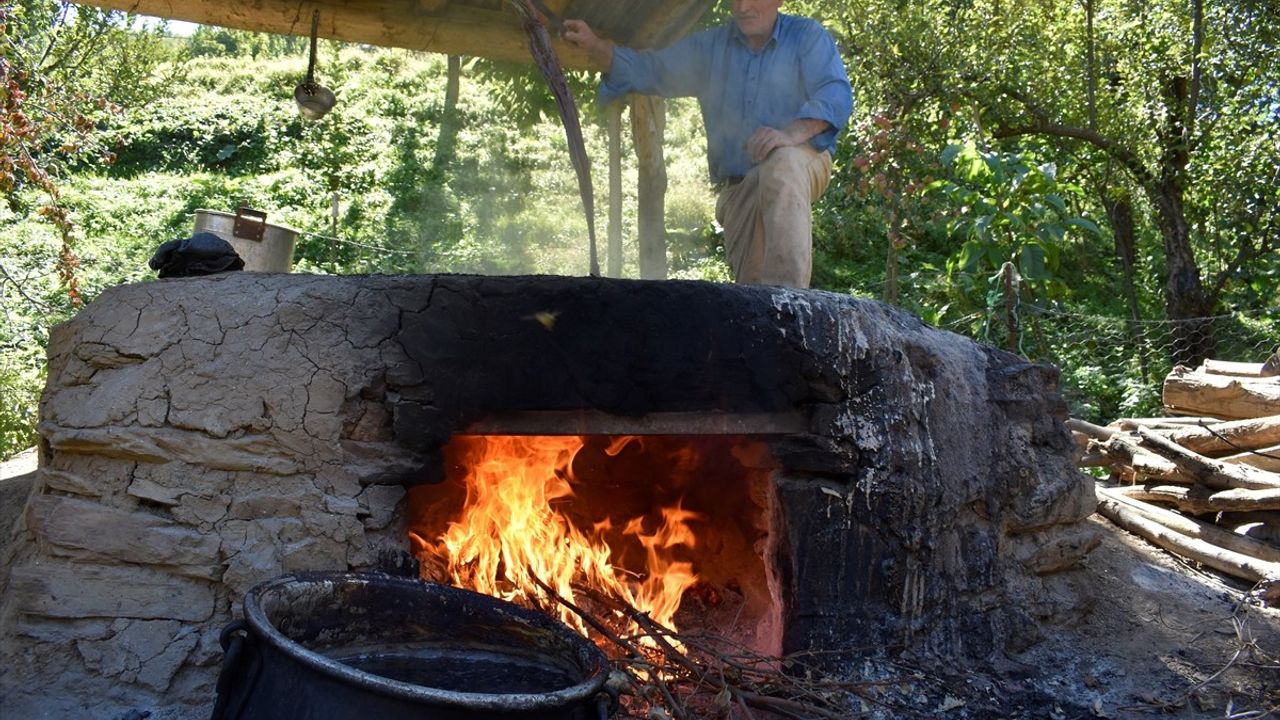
(511, 533)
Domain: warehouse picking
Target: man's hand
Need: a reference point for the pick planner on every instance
(766, 139)
(580, 34)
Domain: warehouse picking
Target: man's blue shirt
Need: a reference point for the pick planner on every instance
(797, 74)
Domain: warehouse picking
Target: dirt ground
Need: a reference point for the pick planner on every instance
(1162, 639)
(16, 475)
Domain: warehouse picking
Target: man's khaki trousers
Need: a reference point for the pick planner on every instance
(767, 218)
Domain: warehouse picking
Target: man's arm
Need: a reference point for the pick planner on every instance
(766, 139)
(675, 71)
(579, 33)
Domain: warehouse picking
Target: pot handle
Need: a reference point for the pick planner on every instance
(250, 224)
(240, 665)
(606, 703)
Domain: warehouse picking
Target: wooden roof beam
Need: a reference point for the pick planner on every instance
(454, 30)
(672, 19)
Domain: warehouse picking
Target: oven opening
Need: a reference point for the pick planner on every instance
(679, 528)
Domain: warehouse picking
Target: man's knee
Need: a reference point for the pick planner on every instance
(787, 168)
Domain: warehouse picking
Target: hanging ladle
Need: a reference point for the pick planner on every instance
(314, 99)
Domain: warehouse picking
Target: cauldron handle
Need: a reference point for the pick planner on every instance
(240, 665)
(607, 703)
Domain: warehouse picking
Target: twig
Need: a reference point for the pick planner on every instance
(22, 291)
(654, 675)
(742, 704)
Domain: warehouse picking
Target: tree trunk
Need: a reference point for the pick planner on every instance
(1199, 500)
(891, 257)
(1120, 214)
(648, 123)
(447, 142)
(1186, 304)
(1222, 438)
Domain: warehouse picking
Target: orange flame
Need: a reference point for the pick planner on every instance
(509, 532)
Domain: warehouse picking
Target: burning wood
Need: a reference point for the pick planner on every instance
(515, 534)
(666, 674)
(673, 526)
(510, 535)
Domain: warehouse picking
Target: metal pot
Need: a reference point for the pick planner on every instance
(351, 645)
(264, 247)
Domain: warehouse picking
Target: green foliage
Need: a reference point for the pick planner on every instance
(214, 41)
(1009, 209)
(959, 97)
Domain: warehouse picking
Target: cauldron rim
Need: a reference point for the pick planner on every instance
(597, 672)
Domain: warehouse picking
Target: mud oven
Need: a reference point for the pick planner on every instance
(852, 480)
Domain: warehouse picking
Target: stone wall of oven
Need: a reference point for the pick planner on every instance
(199, 436)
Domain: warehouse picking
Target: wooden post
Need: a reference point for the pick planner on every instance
(648, 124)
(613, 263)
(1010, 304)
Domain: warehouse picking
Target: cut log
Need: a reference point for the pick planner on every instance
(1264, 459)
(1197, 529)
(1199, 500)
(1226, 367)
(1269, 517)
(1227, 561)
(1093, 459)
(1088, 429)
(1221, 438)
(1207, 471)
(1263, 525)
(1124, 450)
(1130, 424)
(1187, 392)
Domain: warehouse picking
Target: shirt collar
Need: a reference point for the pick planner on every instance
(736, 32)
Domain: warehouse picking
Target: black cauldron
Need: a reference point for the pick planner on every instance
(364, 646)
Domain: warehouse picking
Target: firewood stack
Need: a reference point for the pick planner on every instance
(1204, 482)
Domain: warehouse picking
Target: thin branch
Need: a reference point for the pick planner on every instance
(22, 291)
(1193, 93)
(1124, 155)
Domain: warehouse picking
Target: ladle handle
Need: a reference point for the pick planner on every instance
(311, 63)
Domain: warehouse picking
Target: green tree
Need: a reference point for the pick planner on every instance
(1162, 98)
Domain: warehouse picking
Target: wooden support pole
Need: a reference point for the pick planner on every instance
(613, 253)
(1130, 424)
(1097, 432)
(648, 126)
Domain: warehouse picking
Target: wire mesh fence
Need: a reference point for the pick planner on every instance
(1112, 366)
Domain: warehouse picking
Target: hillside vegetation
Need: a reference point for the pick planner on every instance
(1042, 178)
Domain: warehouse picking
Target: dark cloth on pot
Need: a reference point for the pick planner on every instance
(201, 254)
